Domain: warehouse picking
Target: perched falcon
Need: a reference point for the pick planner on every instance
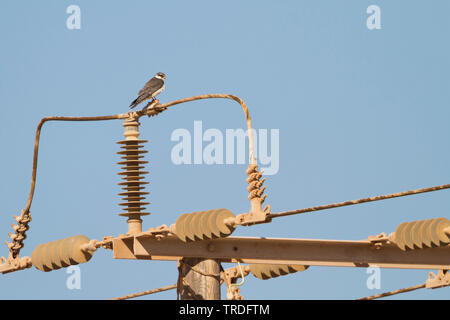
(151, 89)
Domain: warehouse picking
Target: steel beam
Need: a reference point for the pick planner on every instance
(336, 253)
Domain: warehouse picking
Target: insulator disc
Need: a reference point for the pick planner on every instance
(399, 240)
(43, 258)
(127, 214)
(133, 198)
(131, 155)
(134, 141)
(194, 227)
(224, 229)
(130, 193)
(441, 235)
(132, 162)
(407, 235)
(284, 269)
(265, 271)
(133, 188)
(212, 225)
(274, 270)
(203, 225)
(426, 233)
(298, 267)
(130, 167)
(416, 236)
(56, 256)
(47, 259)
(135, 145)
(131, 152)
(36, 257)
(132, 183)
(188, 227)
(65, 250)
(180, 226)
(132, 158)
(133, 173)
(77, 255)
(434, 229)
(133, 204)
(254, 268)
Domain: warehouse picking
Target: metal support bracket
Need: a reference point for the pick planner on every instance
(442, 279)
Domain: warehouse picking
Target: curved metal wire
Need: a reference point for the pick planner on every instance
(25, 216)
(36, 145)
(222, 96)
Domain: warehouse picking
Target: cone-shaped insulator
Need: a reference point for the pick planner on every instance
(422, 233)
(61, 253)
(204, 225)
(268, 271)
(132, 176)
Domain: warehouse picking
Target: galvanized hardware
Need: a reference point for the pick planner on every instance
(156, 233)
(19, 233)
(133, 176)
(63, 253)
(422, 233)
(442, 279)
(14, 264)
(256, 196)
(204, 225)
(234, 273)
(268, 271)
(379, 240)
(153, 108)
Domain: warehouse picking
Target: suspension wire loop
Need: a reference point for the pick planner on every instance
(144, 293)
(36, 144)
(364, 200)
(222, 96)
(391, 293)
(25, 216)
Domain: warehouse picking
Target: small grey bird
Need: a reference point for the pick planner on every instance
(151, 89)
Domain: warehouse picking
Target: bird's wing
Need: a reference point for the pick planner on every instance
(151, 87)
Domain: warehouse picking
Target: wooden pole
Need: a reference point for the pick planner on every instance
(200, 279)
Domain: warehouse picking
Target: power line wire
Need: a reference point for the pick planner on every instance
(144, 293)
(364, 200)
(391, 293)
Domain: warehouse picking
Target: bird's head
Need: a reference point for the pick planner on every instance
(160, 75)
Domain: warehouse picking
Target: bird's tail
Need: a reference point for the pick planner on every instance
(133, 104)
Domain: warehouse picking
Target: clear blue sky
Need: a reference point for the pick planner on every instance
(360, 113)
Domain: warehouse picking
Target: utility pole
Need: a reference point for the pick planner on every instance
(201, 240)
(200, 279)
